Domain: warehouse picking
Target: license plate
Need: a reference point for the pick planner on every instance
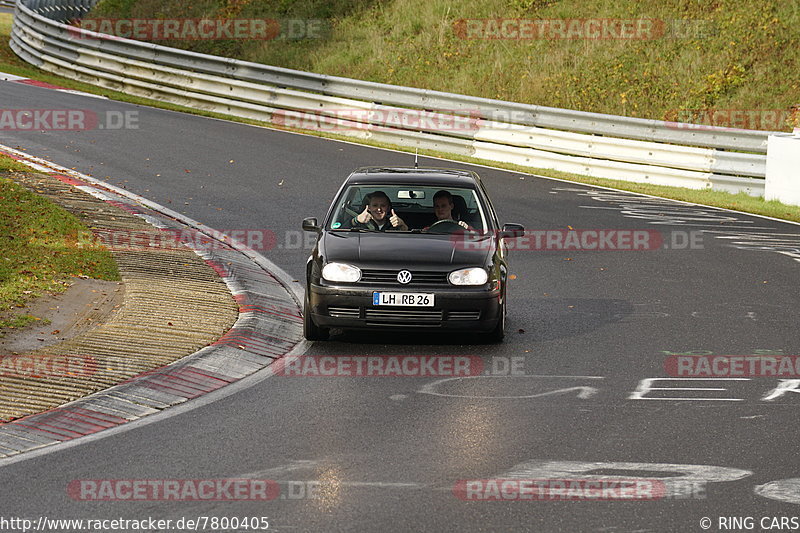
(408, 299)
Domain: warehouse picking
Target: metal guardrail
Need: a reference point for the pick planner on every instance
(586, 143)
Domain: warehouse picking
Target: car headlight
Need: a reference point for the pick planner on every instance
(468, 276)
(341, 272)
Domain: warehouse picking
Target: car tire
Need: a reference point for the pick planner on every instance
(311, 331)
(499, 331)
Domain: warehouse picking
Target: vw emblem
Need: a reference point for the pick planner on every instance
(404, 277)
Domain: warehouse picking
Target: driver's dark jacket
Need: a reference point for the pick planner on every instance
(458, 219)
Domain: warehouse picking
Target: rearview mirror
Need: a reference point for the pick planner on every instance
(410, 195)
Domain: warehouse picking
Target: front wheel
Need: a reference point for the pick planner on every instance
(497, 334)
(311, 331)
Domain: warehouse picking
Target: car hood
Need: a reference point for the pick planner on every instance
(405, 249)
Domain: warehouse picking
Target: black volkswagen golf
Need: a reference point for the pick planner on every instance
(408, 248)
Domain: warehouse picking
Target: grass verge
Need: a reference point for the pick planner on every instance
(40, 253)
(700, 57)
(10, 63)
(11, 165)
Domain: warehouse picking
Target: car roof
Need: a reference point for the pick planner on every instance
(446, 177)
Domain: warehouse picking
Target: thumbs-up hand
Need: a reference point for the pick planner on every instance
(397, 222)
(365, 216)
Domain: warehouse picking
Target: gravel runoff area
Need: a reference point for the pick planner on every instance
(174, 304)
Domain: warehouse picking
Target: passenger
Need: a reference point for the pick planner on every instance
(375, 215)
(443, 209)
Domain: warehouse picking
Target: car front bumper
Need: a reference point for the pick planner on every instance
(455, 308)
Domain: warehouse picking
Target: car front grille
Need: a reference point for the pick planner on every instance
(404, 317)
(343, 312)
(389, 277)
(463, 315)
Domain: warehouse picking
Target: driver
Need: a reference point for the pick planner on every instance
(375, 215)
(443, 209)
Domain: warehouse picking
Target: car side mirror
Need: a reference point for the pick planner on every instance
(512, 231)
(310, 224)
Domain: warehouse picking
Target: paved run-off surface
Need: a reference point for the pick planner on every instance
(174, 304)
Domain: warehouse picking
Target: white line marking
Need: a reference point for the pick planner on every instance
(10, 77)
(645, 386)
(585, 392)
(293, 466)
(81, 93)
(784, 490)
(675, 485)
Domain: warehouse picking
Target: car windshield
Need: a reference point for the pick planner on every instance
(422, 209)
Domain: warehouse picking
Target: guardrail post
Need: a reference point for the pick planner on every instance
(783, 168)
